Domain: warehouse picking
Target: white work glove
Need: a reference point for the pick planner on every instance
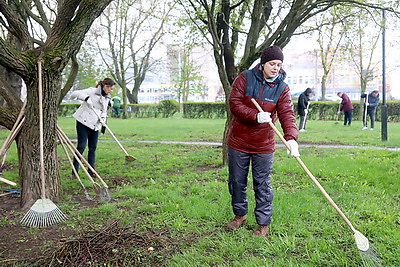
(263, 117)
(306, 111)
(294, 148)
(103, 121)
(89, 103)
(367, 104)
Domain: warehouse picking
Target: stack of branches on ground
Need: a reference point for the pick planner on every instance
(111, 244)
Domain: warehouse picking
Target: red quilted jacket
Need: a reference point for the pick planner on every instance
(246, 134)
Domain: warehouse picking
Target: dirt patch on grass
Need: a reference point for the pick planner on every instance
(75, 244)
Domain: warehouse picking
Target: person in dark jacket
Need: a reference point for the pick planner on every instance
(370, 105)
(302, 108)
(347, 107)
(251, 139)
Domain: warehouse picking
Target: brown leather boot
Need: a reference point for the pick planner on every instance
(262, 230)
(236, 222)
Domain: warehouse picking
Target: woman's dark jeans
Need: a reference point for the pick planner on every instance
(90, 137)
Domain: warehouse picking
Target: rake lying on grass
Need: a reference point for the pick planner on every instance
(44, 212)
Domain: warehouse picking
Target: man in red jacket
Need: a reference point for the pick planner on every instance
(347, 107)
(251, 139)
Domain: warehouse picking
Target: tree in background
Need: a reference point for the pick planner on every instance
(238, 31)
(361, 44)
(51, 32)
(185, 73)
(125, 37)
(330, 28)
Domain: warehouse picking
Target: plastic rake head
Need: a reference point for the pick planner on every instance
(43, 213)
(361, 241)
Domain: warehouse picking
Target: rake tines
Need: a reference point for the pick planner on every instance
(43, 213)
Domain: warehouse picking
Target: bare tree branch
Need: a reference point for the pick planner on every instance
(16, 26)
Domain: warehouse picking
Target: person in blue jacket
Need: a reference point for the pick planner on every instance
(371, 103)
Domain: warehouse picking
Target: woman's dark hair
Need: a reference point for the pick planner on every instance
(106, 81)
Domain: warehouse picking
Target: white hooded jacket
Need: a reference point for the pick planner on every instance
(86, 115)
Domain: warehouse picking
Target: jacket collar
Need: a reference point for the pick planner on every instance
(259, 74)
(98, 92)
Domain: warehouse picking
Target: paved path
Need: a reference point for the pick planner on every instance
(278, 144)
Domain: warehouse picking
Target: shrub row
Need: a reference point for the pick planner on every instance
(208, 110)
(319, 110)
(165, 109)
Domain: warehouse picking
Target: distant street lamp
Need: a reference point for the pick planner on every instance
(384, 106)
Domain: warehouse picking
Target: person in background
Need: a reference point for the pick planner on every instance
(252, 140)
(116, 106)
(302, 108)
(88, 123)
(347, 107)
(370, 105)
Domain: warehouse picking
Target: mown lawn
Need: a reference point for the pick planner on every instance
(180, 191)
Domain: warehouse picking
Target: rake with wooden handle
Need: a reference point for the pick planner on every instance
(103, 192)
(127, 156)
(4, 180)
(366, 110)
(305, 117)
(44, 212)
(361, 241)
(62, 141)
(13, 133)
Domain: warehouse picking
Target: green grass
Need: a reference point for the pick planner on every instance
(182, 190)
(211, 130)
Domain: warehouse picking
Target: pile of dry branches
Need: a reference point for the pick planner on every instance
(114, 245)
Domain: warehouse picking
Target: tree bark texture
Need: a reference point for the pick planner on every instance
(28, 142)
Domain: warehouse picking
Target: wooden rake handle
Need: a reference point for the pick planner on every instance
(79, 156)
(64, 146)
(112, 134)
(14, 131)
(7, 181)
(307, 170)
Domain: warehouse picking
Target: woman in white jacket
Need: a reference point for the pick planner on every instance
(95, 100)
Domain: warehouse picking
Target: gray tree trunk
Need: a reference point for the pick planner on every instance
(28, 144)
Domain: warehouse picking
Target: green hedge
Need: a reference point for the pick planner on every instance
(208, 110)
(67, 109)
(165, 109)
(319, 110)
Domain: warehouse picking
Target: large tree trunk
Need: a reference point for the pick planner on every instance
(65, 33)
(28, 143)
